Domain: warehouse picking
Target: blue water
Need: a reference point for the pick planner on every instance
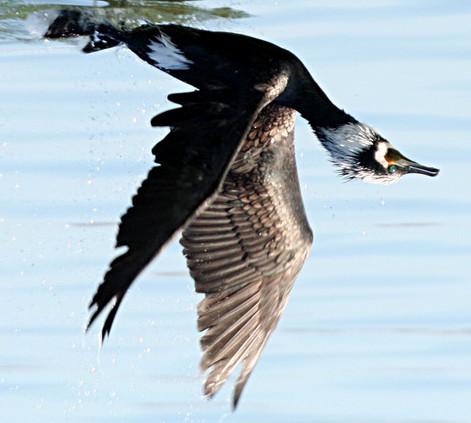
(378, 327)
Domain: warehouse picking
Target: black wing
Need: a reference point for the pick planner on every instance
(192, 162)
(209, 59)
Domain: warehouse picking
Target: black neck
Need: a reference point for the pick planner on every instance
(304, 95)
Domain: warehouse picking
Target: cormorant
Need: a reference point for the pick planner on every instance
(226, 175)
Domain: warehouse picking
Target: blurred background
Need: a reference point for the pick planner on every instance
(377, 329)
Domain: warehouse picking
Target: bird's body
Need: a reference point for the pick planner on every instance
(226, 175)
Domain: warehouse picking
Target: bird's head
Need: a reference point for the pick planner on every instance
(360, 152)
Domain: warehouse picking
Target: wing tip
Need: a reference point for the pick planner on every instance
(98, 309)
(235, 400)
(211, 388)
(95, 313)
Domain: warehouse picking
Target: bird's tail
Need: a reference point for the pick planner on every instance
(74, 23)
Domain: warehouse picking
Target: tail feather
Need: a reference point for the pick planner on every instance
(75, 23)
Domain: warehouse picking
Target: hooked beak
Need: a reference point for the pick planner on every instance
(412, 167)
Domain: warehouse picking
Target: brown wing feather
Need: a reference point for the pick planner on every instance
(244, 252)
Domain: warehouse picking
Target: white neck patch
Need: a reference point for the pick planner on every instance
(167, 55)
(345, 141)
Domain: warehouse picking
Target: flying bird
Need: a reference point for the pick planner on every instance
(226, 176)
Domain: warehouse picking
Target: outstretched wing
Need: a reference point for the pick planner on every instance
(192, 159)
(244, 252)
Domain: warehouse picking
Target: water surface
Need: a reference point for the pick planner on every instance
(378, 325)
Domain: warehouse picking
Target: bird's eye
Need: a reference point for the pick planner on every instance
(392, 169)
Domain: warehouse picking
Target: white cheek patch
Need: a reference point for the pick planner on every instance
(167, 55)
(380, 154)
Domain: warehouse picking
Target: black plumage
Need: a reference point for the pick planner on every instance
(225, 174)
